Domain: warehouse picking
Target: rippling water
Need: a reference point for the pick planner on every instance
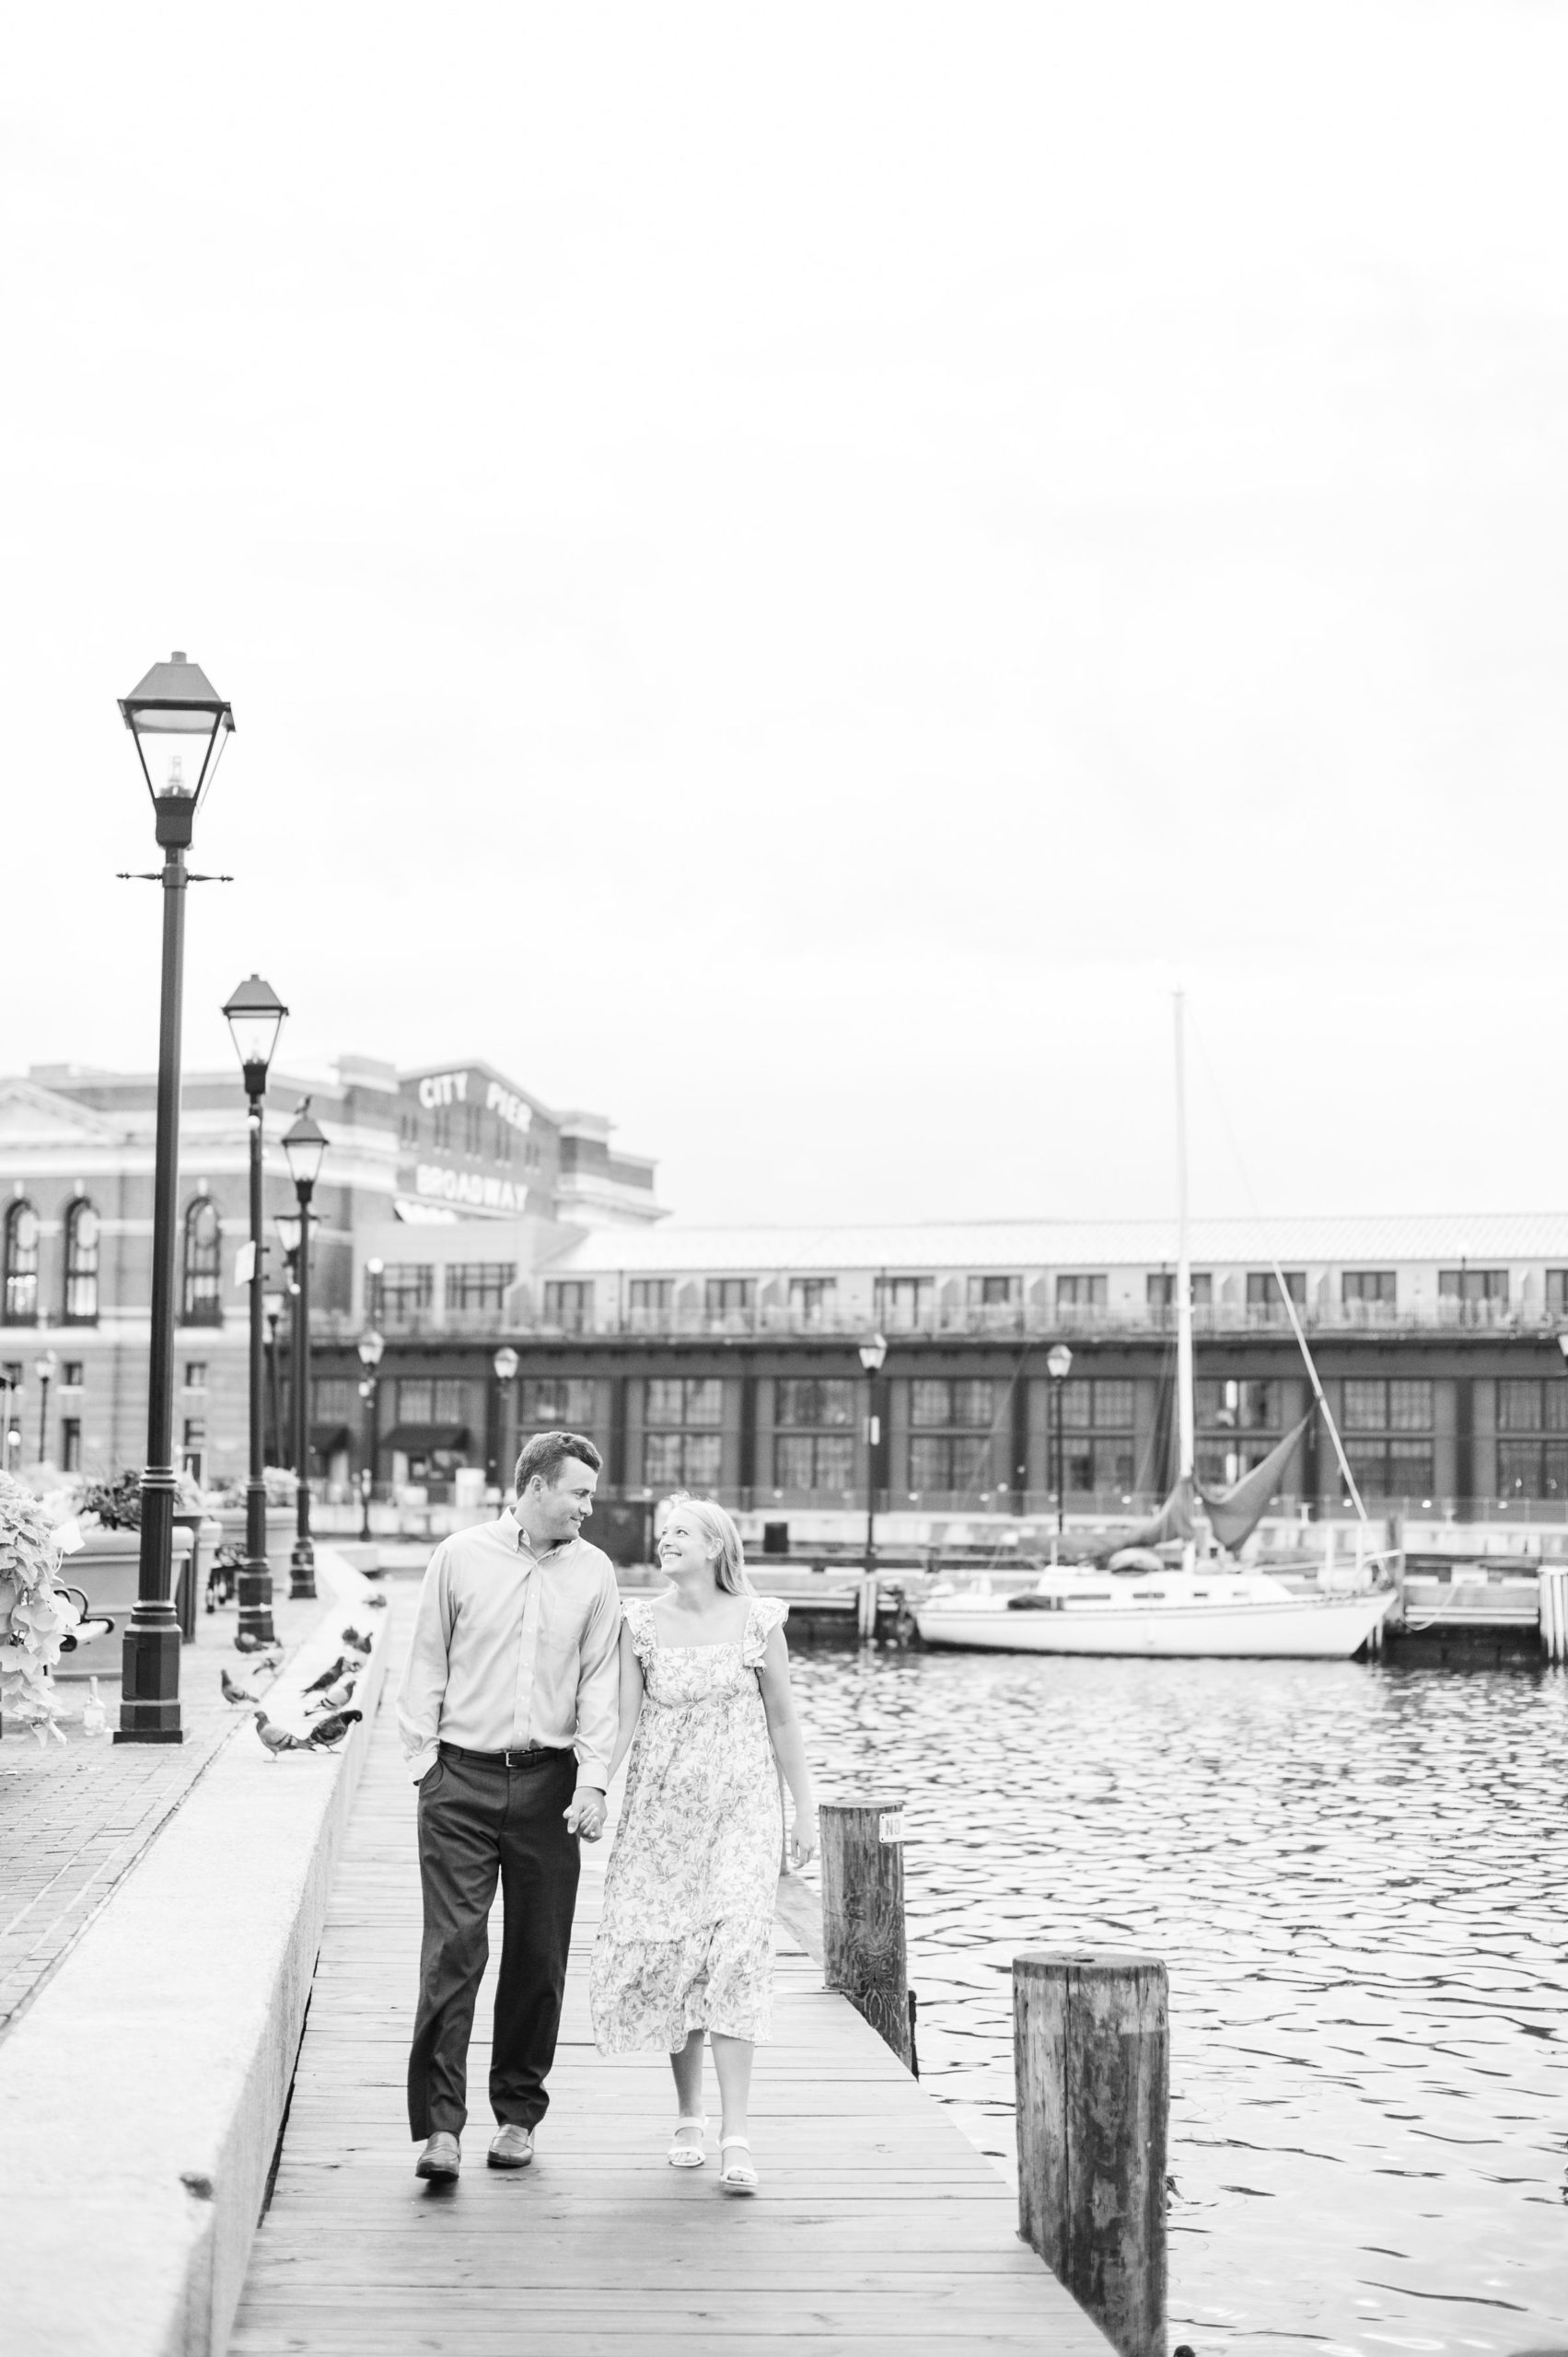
(1359, 1881)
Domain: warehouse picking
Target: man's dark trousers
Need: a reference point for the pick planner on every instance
(478, 1823)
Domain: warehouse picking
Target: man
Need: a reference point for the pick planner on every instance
(508, 1710)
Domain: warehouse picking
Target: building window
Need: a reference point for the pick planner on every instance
(1080, 1293)
(82, 1232)
(809, 1400)
(728, 1297)
(811, 1301)
(1532, 1456)
(195, 1375)
(1472, 1296)
(436, 1400)
(21, 1265)
(441, 1129)
(1238, 1422)
(559, 1403)
(996, 1298)
(480, 1284)
(71, 1374)
(568, 1304)
(192, 1445)
(1265, 1304)
(334, 1400)
(1368, 1289)
(649, 1300)
(400, 1292)
(903, 1304)
(203, 1293)
(1161, 1288)
(1557, 1293)
(683, 1448)
(1097, 1438)
(815, 1447)
(1388, 1433)
(70, 1444)
(950, 1446)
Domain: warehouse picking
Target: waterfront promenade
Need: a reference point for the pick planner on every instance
(878, 2227)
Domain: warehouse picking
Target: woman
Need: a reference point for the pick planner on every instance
(685, 1942)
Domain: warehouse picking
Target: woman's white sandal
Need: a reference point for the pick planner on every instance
(688, 2157)
(736, 2176)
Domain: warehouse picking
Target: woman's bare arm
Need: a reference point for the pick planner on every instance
(631, 1699)
(789, 1745)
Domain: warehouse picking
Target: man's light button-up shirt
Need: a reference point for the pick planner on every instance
(512, 1648)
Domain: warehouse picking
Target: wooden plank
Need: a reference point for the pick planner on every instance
(878, 2229)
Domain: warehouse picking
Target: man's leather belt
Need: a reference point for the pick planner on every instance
(532, 1756)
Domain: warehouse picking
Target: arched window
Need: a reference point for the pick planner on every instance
(202, 1304)
(82, 1228)
(21, 1265)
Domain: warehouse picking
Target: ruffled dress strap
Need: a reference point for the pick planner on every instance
(767, 1613)
(638, 1614)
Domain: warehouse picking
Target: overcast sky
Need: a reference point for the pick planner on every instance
(783, 571)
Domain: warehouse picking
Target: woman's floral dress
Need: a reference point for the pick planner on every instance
(685, 1941)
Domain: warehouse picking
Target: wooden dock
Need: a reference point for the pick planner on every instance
(878, 2227)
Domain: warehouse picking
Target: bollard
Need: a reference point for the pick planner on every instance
(1091, 2053)
(864, 1952)
(1554, 1612)
(865, 1607)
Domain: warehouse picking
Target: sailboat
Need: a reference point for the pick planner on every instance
(1172, 1589)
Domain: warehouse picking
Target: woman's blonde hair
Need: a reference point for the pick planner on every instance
(718, 1530)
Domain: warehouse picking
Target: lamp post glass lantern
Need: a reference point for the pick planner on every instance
(179, 728)
(1058, 1367)
(303, 1145)
(370, 1346)
(255, 1016)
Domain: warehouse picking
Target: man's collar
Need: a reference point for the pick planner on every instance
(518, 1539)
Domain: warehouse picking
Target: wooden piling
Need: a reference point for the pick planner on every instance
(1091, 2051)
(1554, 1612)
(864, 1949)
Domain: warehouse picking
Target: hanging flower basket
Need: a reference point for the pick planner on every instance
(35, 1613)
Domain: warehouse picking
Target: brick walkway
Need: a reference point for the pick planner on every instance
(75, 1818)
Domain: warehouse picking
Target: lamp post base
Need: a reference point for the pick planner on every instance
(253, 1588)
(150, 1694)
(302, 1572)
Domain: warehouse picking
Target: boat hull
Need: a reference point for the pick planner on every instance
(1294, 1629)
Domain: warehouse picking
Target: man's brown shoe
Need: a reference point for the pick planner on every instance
(441, 2156)
(511, 2147)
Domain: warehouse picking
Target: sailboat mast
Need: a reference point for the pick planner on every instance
(1186, 1449)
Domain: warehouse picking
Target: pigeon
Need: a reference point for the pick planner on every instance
(246, 1641)
(233, 1693)
(361, 1644)
(328, 1676)
(328, 1732)
(276, 1738)
(377, 1603)
(335, 1695)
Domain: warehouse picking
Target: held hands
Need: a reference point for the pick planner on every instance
(587, 1814)
(803, 1838)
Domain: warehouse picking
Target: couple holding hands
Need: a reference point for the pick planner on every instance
(528, 1682)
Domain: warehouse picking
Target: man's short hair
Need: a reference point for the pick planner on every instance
(547, 1452)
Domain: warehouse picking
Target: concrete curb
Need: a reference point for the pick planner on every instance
(142, 2093)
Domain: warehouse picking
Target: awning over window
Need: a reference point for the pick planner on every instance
(326, 1439)
(424, 1440)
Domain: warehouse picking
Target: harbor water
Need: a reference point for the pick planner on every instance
(1358, 1878)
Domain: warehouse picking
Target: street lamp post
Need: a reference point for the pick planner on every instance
(370, 1347)
(1059, 1365)
(505, 1363)
(43, 1367)
(255, 1016)
(872, 1350)
(303, 1145)
(174, 718)
(273, 1305)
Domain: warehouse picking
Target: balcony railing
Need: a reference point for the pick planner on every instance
(960, 1319)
